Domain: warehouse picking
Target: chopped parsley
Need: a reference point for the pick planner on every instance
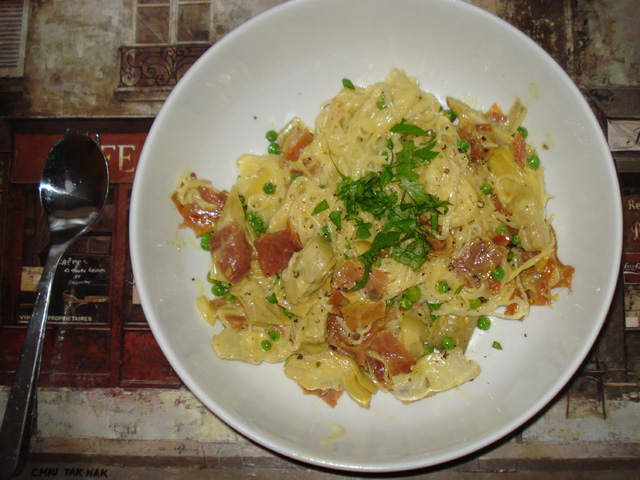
(320, 207)
(336, 218)
(409, 212)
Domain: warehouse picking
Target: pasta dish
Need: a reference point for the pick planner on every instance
(363, 252)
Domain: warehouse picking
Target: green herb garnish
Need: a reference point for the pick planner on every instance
(320, 207)
(346, 83)
(405, 234)
(336, 218)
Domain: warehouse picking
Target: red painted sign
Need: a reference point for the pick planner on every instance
(122, 151)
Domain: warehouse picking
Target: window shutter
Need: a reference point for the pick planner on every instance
(13, 36)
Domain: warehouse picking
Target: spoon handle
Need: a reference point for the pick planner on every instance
(16, 425)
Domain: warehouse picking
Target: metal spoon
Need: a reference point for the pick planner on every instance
(73, 190)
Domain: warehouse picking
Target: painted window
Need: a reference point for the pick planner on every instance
(173, 22)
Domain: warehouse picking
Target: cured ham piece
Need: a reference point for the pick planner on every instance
(231, 252)
(481, 139)
(276, 249)
(330, 397)
(478, 259)
(541, 281)
(398, 359)
(295, 143)
(360, 314)
(519, 148)
(202, 220)
(339, 336)
(229, 314)
(379, 340)
(496, 114)
(351, 273)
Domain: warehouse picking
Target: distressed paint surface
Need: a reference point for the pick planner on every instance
(607, 37)
(72, 68)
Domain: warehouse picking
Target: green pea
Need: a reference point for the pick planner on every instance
(346, 83)
(295, 175)
(228, 296)
(462, 145)
(533, 162)
(269, 188)
(451, 115)
(448, 343)
(428, 348)
(515, 239)
(413, 293)
(523, 132)
(405, 303)
(218, 289)
(274, 149)
(442, 287)
(484, 323)
(497, 274)
(475, 303)
(434, 306)
(511, 256)
(265, 345)
(485, 188)
(204, 240)
(271, 136)
(274, 335)
(503, 230)
(256, 222)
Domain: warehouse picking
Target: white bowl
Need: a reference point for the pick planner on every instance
(285, 62)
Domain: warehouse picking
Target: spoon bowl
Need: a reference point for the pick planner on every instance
(73, 186)
(73, 190)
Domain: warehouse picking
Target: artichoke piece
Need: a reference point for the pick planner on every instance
(503, 131)
(434, 373)
(330, 371)
(521, 191)
(205, 309)
(308, 269)
(516, 115)
(247, 345)
(413, 333)
(459, 328)
(252, 296)
(462, 110)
